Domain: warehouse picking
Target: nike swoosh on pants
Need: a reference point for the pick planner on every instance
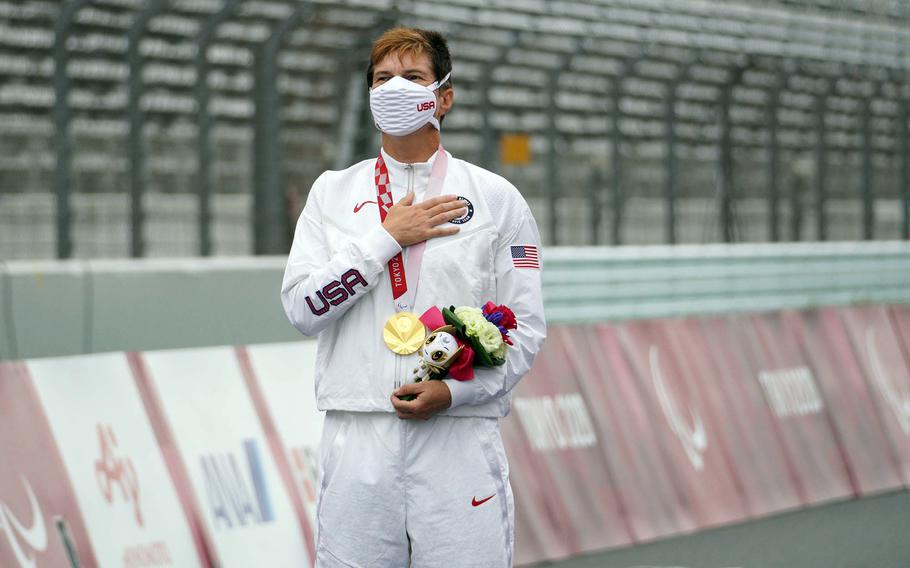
(475, 502)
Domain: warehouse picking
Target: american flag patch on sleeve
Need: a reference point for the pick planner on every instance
(525, 256)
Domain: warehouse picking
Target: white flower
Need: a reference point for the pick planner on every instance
(478, 327)
(490, 337)
(472, 318)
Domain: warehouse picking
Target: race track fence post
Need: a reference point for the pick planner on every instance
(62, 117)
(671, 181)
(137, 123)
(617, 140)
(727, 191)
(270, 236)
(202, 94)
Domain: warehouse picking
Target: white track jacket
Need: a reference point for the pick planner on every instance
(336, 283)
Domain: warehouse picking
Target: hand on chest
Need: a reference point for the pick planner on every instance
(362, 211)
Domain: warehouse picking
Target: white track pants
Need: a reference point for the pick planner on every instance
(440, 486)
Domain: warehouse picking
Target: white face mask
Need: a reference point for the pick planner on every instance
(401, 107)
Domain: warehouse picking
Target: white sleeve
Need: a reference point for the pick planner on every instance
(319, 287)
(520, 290)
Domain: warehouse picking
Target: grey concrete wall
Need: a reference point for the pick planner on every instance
(69, 308)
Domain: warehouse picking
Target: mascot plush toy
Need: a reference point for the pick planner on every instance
(437, 353)
(443, 353)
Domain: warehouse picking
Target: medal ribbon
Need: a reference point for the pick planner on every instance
(403, 300)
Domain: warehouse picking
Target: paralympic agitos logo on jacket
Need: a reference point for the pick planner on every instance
(336, 292)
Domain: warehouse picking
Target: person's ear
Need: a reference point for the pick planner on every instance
(445, 98)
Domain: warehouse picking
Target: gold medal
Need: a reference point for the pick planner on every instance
(404, 333)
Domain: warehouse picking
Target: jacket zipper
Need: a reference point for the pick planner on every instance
(410, 168)
(398, 381)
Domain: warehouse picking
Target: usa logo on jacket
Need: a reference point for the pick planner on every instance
(467, 216)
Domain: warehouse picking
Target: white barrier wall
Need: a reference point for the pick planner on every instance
(622, 433)
(243, 501)
(285, 373)
(125, 493)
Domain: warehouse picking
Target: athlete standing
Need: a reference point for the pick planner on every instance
(423, 482)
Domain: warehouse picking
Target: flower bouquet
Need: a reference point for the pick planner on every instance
(463, 338)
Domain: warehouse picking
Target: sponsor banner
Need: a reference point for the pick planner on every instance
(625, 423)
(788, 381)
(35, 493)
(535, 539)
(564, 455)
(165, 438)
(122, 484)
(757, 455)
(676, 383)
(839, 370)
(244, 505)
(280, 378)
(881, 342)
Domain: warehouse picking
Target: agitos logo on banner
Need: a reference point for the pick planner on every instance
(234, 498)
(896, 395)
(116, 475)
(694, 439)
(24, 541)
(113, 470)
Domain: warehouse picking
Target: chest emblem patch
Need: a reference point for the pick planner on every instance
(467, 216)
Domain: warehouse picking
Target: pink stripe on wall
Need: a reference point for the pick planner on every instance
(653, 503)
(880, 340)
(764, 469)
(31, 460)
(675, 396)
(791, 389)
(276, 446)
(177, 469)
(838, 366)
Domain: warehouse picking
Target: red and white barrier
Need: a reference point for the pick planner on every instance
(653, 503)
(793, 392)
(768, 483)
(240, 493)
(621, 433)
(125, 493)
(555, 458)
(35, 490)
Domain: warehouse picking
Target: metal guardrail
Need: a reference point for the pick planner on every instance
(592, 284)
(52, 308)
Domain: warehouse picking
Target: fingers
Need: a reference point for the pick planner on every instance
(446, 217)
(411, 224)
(410, 409)
(440, 200)
(443, 232)
(449, 206)
(409, 388)
(405, 408)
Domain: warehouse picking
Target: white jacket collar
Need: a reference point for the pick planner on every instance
(392, 162)
(406, 176)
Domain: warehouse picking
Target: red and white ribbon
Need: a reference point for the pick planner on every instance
(402, 294)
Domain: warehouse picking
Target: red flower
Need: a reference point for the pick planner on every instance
(505, 320)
